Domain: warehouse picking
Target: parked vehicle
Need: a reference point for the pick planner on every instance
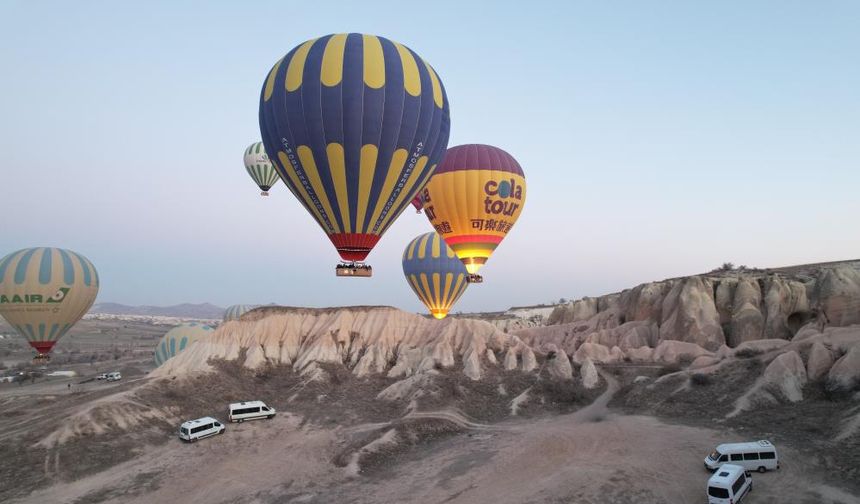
(115, 376)
(193, 430)
(729, 485)
(755, 456)
(249, 410)
(102, 376)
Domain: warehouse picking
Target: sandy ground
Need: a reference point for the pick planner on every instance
(591, 456)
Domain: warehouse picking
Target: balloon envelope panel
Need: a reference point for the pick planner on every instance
(236, 311)
(178, 339)
(355, 125)
(474, 199)
(44, 291)
(434, 273)
(259, 167)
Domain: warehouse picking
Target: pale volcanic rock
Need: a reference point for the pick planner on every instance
(690, 315)
(819, 362)
(703, 361)
(641, 354)
(747, 321)
(762, 345)
(785, 305)
(529, 359)
(838, 292)
(844, 376)
(559, 366)
(593, 351)
(510, 359)
(491, 357)
(787, 374)
(589, 376)
(365, 339)
(674, 351)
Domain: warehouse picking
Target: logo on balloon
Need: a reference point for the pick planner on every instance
(58, 297)
(504, 190)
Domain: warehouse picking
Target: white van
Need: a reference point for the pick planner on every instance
(249, 410)
(115, 376)
(729, 485)
(756, 456)
(193, 430)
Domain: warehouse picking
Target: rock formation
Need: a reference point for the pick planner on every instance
(709, 310)
(365, 339)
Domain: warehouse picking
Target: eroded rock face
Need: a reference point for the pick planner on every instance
(588, 374)
(819, 362)
(787, 375)
(838, 294)
(690, 314)
(365, 339)
(844, 376)
(711, 310)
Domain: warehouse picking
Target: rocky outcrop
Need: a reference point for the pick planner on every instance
(678, 351)
(838, 293)
(819, 362)
(690, 314)
(558, 365)
(364, 339)
(712, 310)
(844, 376)
(588, 374)
(783, 379)
(787, 375)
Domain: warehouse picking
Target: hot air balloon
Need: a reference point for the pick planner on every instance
(259, 168)
(44, 291)
(417, 203)
(236, 311)
(473, 201)
(435, 273)
(355, 125)
(178, 339)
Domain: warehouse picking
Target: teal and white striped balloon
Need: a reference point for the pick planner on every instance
(236, 311)
(260, 168)
(178, 339)
(44, 291)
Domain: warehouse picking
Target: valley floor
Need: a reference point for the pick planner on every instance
(594, 455)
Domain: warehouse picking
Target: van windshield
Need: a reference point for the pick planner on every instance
(720, 493)
(715, 455)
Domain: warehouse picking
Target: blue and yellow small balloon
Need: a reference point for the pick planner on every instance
(435, 273)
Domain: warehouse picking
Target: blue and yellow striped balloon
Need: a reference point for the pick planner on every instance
(355, 125)
(435, 273)
(259, 167)
(235, 311)
(178, 339)
(44, 291)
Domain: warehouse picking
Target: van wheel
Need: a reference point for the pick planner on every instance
(241, 420)
(271, 417)
(761, 469)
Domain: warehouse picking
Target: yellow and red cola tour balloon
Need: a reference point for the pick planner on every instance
(435, 274)
(355, 125)
(473, 200)
(44, 292)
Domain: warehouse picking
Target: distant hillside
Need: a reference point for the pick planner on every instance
(184, 310)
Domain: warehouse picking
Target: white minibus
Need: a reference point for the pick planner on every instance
(729, 485)
(249, 410)
(755, 456)
(193, 430)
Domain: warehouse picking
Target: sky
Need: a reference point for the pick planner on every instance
(658, 139)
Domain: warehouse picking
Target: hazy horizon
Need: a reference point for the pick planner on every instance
(658, 140)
